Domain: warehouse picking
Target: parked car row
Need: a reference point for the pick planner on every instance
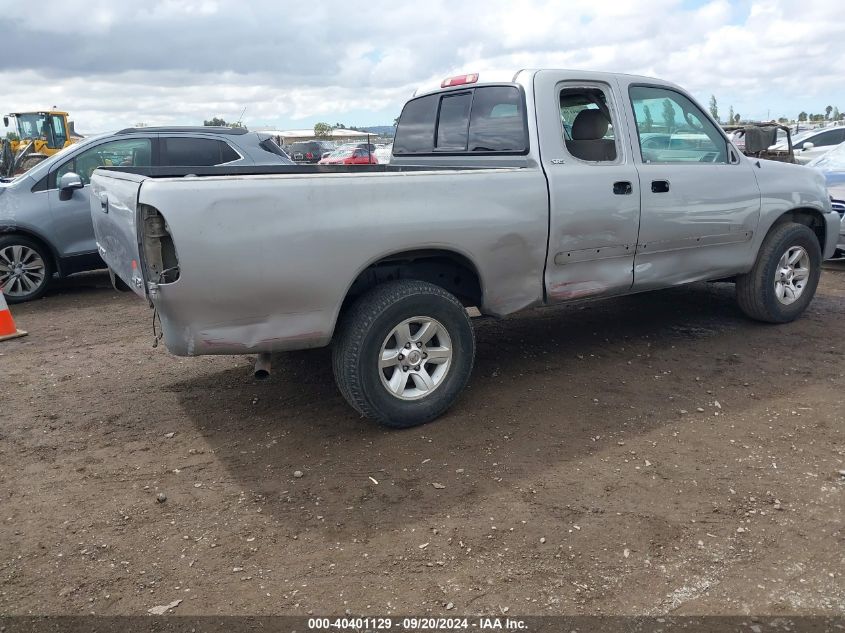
(45, 218)
(310, 152)
(832, 165)
(813, 144)
(351, 154)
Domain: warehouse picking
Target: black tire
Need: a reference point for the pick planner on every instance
(13, 292)
(365, 328)
(755, 291)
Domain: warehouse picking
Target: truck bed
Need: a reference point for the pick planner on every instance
(260, 259)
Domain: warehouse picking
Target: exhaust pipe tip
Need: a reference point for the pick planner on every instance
(262, 366)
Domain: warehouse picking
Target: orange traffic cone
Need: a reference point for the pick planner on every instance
(7, 323)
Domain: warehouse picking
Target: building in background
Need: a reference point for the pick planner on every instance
(286, 137)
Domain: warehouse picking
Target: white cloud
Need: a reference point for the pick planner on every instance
(178, 62)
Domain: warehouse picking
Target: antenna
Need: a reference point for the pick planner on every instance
(241, 118)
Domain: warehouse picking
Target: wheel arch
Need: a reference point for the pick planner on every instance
(447, 268)
(30, 234)
(808, 216)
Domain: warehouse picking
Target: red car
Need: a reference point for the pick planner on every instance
(350, 156)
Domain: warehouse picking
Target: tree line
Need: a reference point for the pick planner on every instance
(218, 122)
(831, 113)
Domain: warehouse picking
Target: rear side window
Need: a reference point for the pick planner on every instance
(269, 145)
(485, 119)
(196, 152)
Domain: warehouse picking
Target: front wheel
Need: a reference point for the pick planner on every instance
(25, 269)
(403, 353)
(784, 278)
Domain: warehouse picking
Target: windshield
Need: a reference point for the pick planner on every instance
(30, 125)
(834, 160)
(342, 152)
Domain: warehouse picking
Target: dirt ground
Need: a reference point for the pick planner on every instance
(644, 455)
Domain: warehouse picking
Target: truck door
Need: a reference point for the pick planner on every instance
(700, 199)
(594, 196)
(115, 214)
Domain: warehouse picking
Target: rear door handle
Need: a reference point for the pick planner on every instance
(622, 188)
(659, 186)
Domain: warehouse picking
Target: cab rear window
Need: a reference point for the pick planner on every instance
(488, 119)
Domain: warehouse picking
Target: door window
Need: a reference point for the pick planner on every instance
(195, 152)
(134, 152)
(59, 132)
(672, 129)
(587, 124)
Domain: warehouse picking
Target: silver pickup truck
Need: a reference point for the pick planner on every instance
(550, 186)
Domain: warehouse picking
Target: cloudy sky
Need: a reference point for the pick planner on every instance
(291, 64)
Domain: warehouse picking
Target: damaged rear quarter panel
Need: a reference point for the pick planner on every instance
(266, 261)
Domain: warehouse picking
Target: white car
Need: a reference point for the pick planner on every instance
(383, 153)
(832, 165)
(814, 143)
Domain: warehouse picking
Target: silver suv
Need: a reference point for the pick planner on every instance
(45, 218)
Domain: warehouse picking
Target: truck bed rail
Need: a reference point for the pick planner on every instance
(278, 170)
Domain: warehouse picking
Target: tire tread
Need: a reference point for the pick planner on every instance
(353, 328)
(751, 288)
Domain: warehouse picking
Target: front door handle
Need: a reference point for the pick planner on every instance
(659, 186)
(104, 203)
(622, 188)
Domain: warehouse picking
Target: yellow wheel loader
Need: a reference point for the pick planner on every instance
(34, 137)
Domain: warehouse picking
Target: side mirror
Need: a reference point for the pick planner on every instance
(807, 145)
(68, 183)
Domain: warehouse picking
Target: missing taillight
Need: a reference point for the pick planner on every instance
(161, 262)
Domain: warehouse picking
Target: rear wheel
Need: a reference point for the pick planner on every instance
(784, 278)
(25, 269)
(403, 353)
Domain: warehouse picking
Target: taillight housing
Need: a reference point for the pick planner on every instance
(309, 155)
(459, 80)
